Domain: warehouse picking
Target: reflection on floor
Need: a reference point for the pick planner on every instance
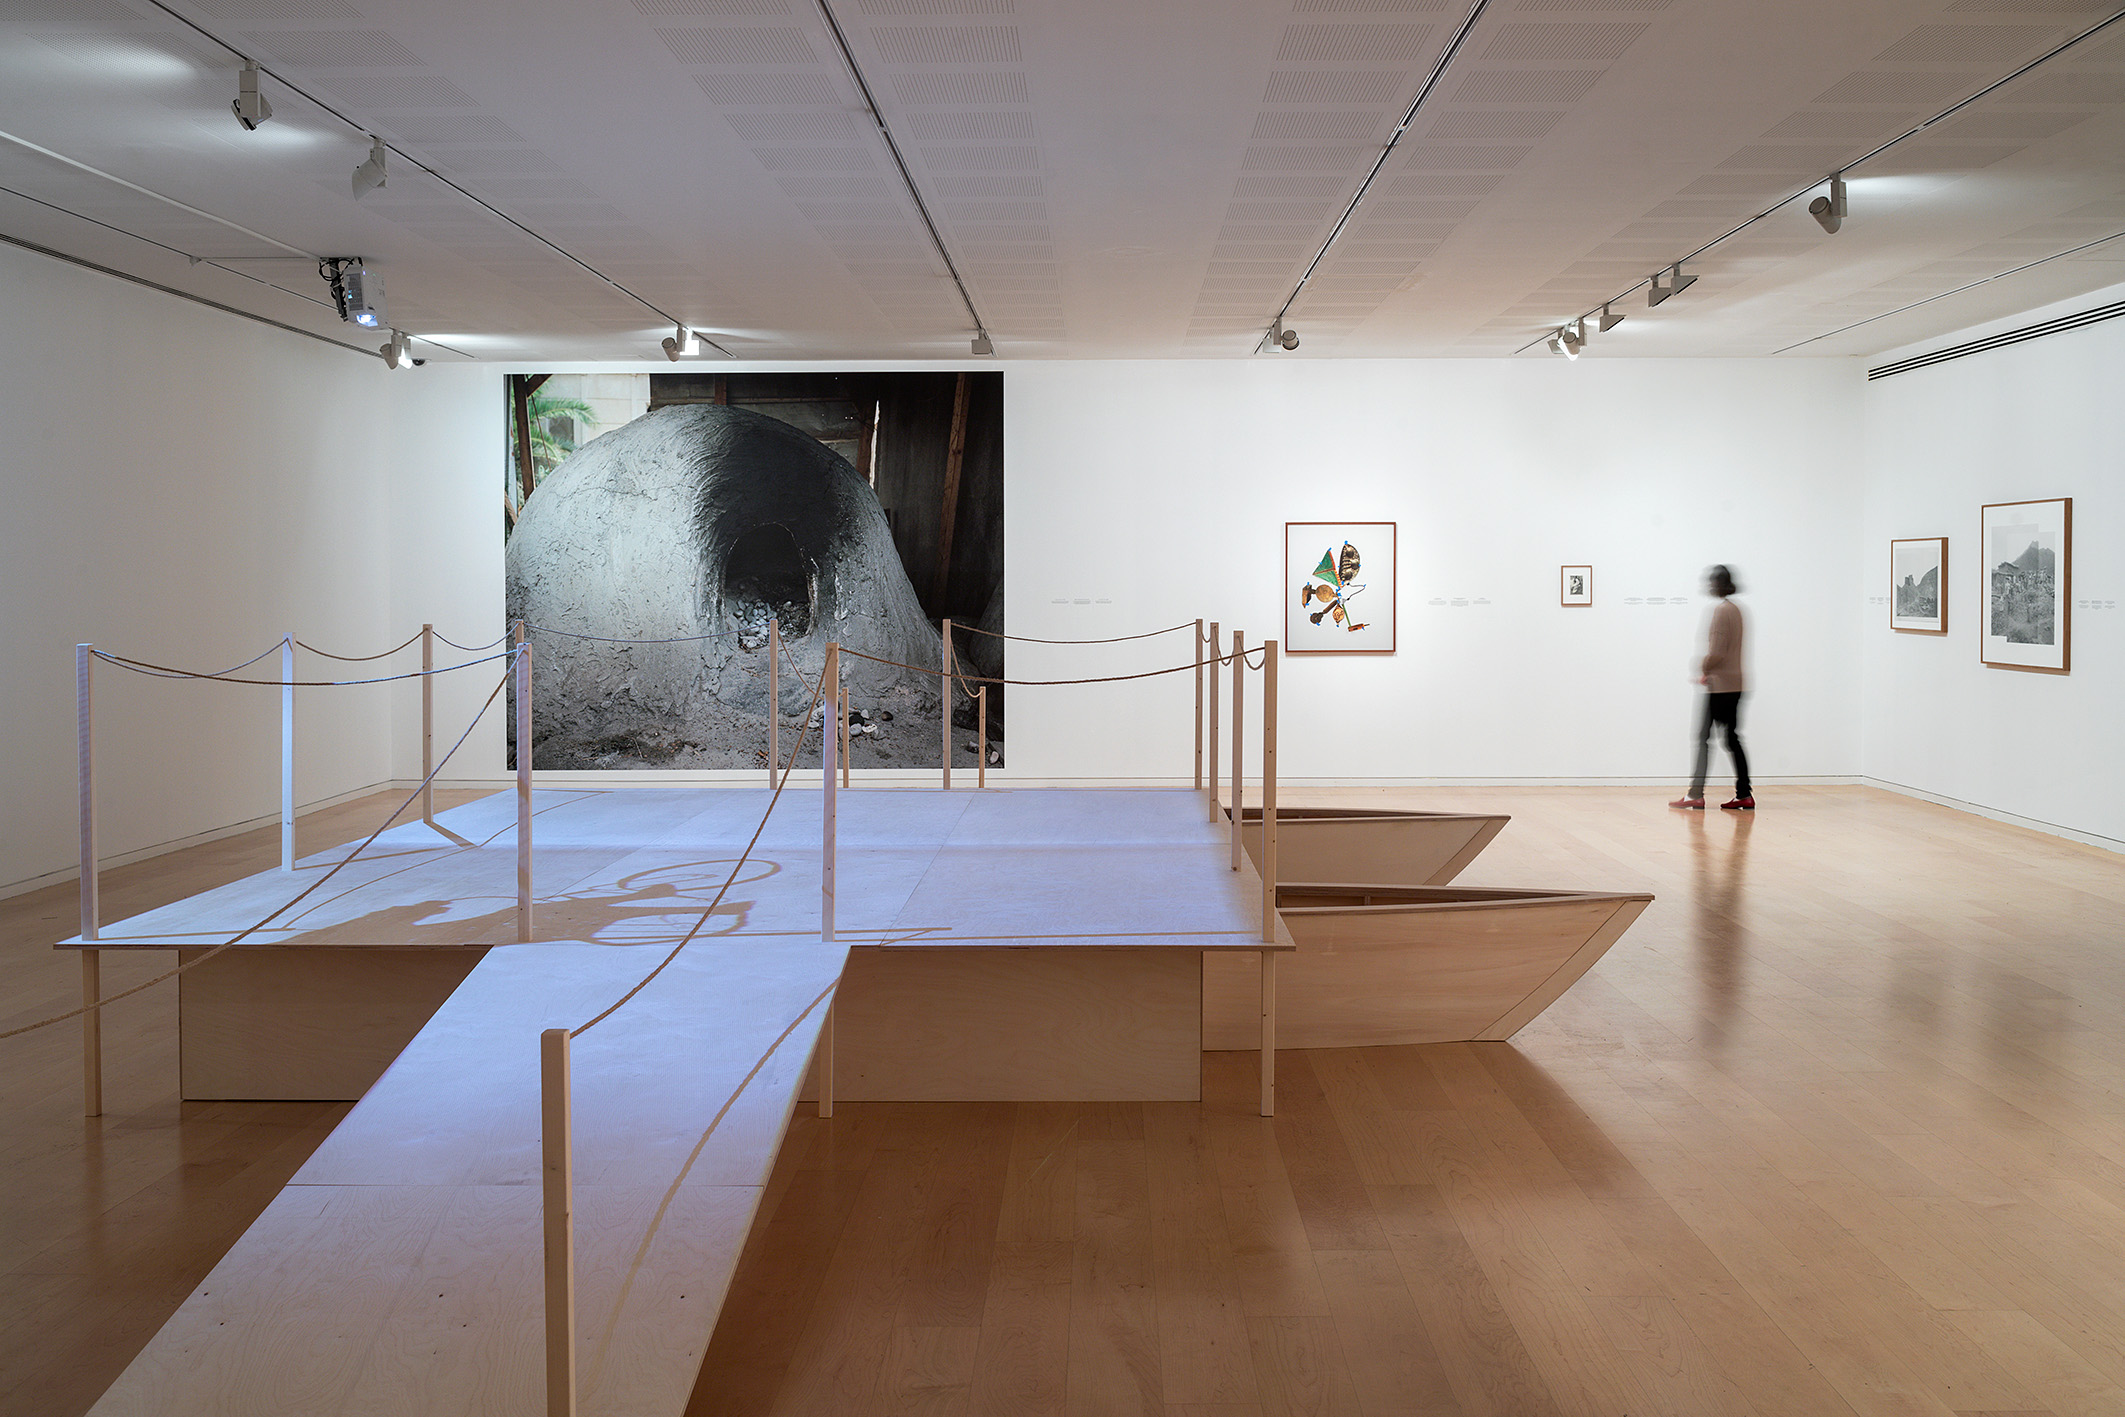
(1835, 1128)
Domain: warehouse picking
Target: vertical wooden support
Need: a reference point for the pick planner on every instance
(428, 724)
(830, 693)
(826, 1063)
(774, 702)
(944, 703)
(558, 1197)
(287, 752)
(1268, 862)
(1212, 756)
(1268, 1033)
(847, 737)
(981, 736)
(1239, 740)
(84, 747)
(523, 789)
(948, 511)
(1198, 705)
(91, 903)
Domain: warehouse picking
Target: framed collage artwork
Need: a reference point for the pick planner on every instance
(1339, 587)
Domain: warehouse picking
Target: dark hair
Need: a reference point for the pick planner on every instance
(1722, 580)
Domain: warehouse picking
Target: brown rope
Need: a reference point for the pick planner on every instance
(356, 658)
(1115, 640)
(163, 671)
(235, 940)
(781, 782)
(1052, 683)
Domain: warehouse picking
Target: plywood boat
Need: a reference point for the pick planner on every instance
(1382, 964)
(1369, 844)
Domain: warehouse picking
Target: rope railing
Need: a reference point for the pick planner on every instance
(163, 671)
(97, 1005)
(1111, 640)
(620, 640)
(1187, 668)
(363, 658)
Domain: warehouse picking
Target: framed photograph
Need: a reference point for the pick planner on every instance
(1575, 585)
(2027, 551)
(1918, 580)
(1339, 587)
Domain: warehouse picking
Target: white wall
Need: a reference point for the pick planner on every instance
(182, 486)
(2036, 420)
(1165, 488)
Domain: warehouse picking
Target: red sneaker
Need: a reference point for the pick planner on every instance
(1739, 804)
(1694, 804)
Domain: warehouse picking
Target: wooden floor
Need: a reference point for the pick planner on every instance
(1838, 1127)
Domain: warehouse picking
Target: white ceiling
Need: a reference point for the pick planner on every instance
(1131, 178)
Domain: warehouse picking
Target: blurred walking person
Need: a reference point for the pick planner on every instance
(1721, 675)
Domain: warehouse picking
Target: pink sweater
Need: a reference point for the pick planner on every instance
(1722, 655)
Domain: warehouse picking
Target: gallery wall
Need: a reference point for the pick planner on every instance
(1141, 494)
(2033, 420)
(182, 486)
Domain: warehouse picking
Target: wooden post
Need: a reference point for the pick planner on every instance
(1268, 1033)
(830, 693)
(1268, 862)
(91, 903)
(287, 752)
(1198, 705)
(948, 511)
(847, 737)
(558, 1196)
(1212, 758)
(1239, 704)
(826, 1064)
(774, 703)
(981, 736)
(521, 388)
(944, 703)
(523, 788)
(428, 724)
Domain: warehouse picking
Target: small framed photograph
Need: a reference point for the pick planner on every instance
(1918, 586)
(2027, 549)
(1339, 587)
(1575, 585)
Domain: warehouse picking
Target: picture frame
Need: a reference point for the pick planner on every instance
(1339, 588)
(2026, 551)
(1918, 585)
(1575, 586)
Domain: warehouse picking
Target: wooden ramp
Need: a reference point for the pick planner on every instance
(1369, 844)
(399, 1273)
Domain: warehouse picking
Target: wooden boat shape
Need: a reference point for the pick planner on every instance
(1383, 964)
(1368, 844)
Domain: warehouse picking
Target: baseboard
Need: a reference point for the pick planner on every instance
(127, 858)
(806, 779)
(2012, 819)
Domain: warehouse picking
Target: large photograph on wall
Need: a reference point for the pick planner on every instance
(1339, 587)
(2028, 558)
(1918, 585)
(656, 524)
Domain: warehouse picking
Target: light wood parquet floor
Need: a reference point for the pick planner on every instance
(1837, 1128)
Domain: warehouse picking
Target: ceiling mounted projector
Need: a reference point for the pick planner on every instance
(357, 291)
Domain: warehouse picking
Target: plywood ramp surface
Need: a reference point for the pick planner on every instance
(400, 1272)
(1390, 848)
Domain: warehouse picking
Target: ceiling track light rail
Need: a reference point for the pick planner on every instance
(314, 101)
(1834, 203)
(1394, 140)
(982, 344)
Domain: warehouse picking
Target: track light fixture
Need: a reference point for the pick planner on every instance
(1677, 283)
(250, 106)
(982, 343)
(1281, 337)
(1607, 321)
(370, 175)
(1568, 340)
(397, 351)
(1829, 212)
(682, 343)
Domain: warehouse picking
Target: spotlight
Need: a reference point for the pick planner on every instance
(1281, 337)
(982, 343)
(1829, 212)
(1608, 322)
(397, 352)
(250, 106)
(1677, 283)
(684, 343)
(370, 175)
(1567, 341)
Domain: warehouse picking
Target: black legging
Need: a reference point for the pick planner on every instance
(1724, 710)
